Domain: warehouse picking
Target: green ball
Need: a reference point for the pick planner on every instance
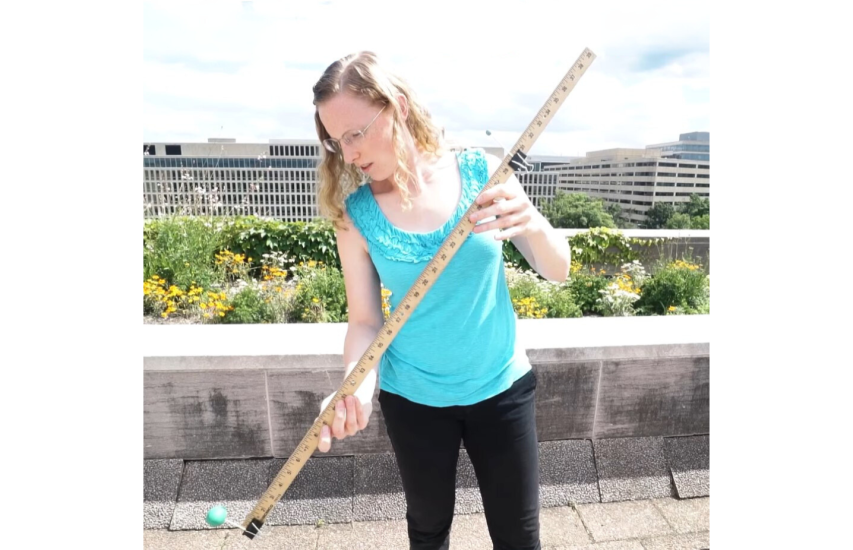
(216, 516)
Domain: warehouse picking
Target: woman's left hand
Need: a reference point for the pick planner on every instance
(516, 214)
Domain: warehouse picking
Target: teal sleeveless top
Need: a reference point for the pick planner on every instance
(459, 346)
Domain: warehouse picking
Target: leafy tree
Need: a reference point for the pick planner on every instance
(658, 215)
(576, 211)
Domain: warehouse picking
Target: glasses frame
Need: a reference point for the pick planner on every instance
(334, 145)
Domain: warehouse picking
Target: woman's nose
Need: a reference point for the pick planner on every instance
(350, 153)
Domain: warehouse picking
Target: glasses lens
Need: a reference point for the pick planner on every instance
(352, 137)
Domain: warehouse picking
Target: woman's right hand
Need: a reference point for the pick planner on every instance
(352, 413)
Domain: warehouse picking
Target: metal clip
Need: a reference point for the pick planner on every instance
(519, 162)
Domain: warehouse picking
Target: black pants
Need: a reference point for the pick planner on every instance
(500, 437)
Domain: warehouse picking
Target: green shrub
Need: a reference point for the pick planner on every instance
(561, 304)
(679, 284)
(250, 307)
(320, 295)
(535, 298)
(170, 243)
(596, 246)
(299, 241)
(181, 250)
(702, 304)
(585, 287)
(602, 245)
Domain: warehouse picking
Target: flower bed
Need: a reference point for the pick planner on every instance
(199, 270)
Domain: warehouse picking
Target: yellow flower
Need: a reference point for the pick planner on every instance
(222, 314)
(315, 300)
(671, 308)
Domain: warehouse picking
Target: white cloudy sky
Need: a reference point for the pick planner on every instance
(245, 69)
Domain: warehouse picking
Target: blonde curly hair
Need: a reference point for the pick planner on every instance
(361, 74)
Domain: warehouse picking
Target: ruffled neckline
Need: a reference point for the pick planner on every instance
(399, 244)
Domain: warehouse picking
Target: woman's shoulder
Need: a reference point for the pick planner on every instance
(476, 166)
(357, 200)
(360, 210)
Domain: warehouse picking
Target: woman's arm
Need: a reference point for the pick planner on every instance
(365, 319)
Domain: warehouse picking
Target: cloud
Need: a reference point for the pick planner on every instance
(248, 68)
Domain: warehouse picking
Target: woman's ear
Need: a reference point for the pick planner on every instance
(404, 106)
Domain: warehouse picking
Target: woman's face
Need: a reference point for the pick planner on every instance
(372, 152)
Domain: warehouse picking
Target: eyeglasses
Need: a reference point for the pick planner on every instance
(334, 146)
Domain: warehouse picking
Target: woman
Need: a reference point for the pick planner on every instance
(455, 371)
